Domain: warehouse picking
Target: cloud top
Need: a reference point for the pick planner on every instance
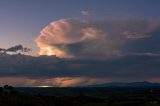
(78, 38)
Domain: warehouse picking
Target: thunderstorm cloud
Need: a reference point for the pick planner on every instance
(81, 52)
(100, 39)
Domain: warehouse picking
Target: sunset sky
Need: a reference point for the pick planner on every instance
(94, 41)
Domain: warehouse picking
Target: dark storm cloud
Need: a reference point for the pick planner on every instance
(150, 44)
(49, 70)
(115, 50)
(15, 49)
(133, 66)
(1, 49)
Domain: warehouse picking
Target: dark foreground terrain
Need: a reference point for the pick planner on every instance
(10, 96)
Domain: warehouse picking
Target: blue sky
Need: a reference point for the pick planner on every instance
(21, 20)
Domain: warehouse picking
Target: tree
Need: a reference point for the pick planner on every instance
(8, 88)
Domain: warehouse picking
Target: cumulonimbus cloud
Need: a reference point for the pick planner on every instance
(95, 44)
(91, 38)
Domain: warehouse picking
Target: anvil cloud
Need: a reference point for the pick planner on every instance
(88, 52)
(100, 39)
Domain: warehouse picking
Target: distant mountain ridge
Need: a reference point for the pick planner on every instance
(131, 84)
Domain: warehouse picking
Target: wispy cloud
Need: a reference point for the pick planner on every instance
(85, 13)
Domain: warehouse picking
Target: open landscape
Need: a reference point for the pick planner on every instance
(79, 53)
(81, 96)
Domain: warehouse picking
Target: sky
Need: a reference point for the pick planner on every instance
(86, 41)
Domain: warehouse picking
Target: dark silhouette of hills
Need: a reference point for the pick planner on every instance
(81, 96)
(132, 84)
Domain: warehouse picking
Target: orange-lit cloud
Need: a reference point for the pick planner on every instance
(102, 51)
(67, 38)
(61, 32)
(54, 82)
(60, 37)
(65, 81)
